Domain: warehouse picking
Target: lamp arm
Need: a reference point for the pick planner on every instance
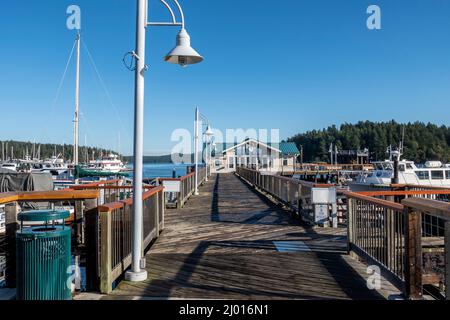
(204, 118)
(181, 12)
(174, 20)
(172, 14)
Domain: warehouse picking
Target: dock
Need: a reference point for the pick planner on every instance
(231, 242)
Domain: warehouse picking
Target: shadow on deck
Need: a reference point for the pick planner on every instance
(230, 242)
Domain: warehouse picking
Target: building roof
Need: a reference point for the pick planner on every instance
(285, 148)
(289, 148)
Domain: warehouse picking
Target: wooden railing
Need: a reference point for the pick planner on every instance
(406, 240)
(178, 190)
(108, 237)
(13, 202)
(302, 197)
(110, 190)
(376, 233)
(416, 278)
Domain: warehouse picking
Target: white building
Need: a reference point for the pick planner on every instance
(251, 153)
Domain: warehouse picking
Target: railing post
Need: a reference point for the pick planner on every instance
(12, 225)
(350, 234)
(162, 208)
(447, 260)
(79, 222)
(105, 252)
(413, 253)
(158, 207)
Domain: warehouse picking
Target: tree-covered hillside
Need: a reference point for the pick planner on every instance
(46, 150)
(422, 141)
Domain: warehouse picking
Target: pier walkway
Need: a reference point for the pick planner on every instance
(230, 242)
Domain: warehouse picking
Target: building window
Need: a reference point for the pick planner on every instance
(437, 175)
(423, 175)
(285, 162)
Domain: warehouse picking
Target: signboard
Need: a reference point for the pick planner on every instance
(172, 185)
(323, 195)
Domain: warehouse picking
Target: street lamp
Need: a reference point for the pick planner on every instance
(183, 54)
(208, 133)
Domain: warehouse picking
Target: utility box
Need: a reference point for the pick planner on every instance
(319, 206)
(43, 254)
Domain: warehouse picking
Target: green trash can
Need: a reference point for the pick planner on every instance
(43, 256)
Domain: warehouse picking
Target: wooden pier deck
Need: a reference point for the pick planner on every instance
(230, 242)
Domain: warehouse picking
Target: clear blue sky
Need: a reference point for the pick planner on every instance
(295, 65)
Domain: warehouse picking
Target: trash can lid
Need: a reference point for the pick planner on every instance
(43, 215)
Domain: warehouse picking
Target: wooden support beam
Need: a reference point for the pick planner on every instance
(105, 252)
(12, 225)
(79, 225)
(413, 253)
(447, 260)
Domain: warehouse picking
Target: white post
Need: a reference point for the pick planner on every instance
(136, 274)
(206, 158)
(77, 104)
(196, 129)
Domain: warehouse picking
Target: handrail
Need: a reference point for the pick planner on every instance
(405, 193)
(384, 203)
(432, 207)
(38, 196)
(94, 184)
(109, 207)
(178, 179)
(301, 182)
(418, 186)
(145, 195)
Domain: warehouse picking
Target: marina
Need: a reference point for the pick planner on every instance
(301, 201)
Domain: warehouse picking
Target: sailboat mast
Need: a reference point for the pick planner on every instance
(77, 104)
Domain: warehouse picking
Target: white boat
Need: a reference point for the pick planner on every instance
(433, 174)
(110, 163)
(10, 166)
(55, 165)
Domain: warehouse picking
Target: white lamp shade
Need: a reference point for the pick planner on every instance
(209, 132)
(183, 54)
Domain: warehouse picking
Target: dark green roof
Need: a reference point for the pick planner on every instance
(288, 148)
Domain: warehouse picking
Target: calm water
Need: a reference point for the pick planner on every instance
(164, 170)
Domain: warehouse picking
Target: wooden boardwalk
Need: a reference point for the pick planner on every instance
(230, 242)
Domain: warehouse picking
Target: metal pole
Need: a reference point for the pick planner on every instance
(197, 120)
(206, 157)
(136, 274)
(77, 104)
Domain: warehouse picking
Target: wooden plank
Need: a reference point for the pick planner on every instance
(221, 245)
(64, 195)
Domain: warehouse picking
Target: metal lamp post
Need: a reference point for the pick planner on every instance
(208, 133)
(183, 54)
